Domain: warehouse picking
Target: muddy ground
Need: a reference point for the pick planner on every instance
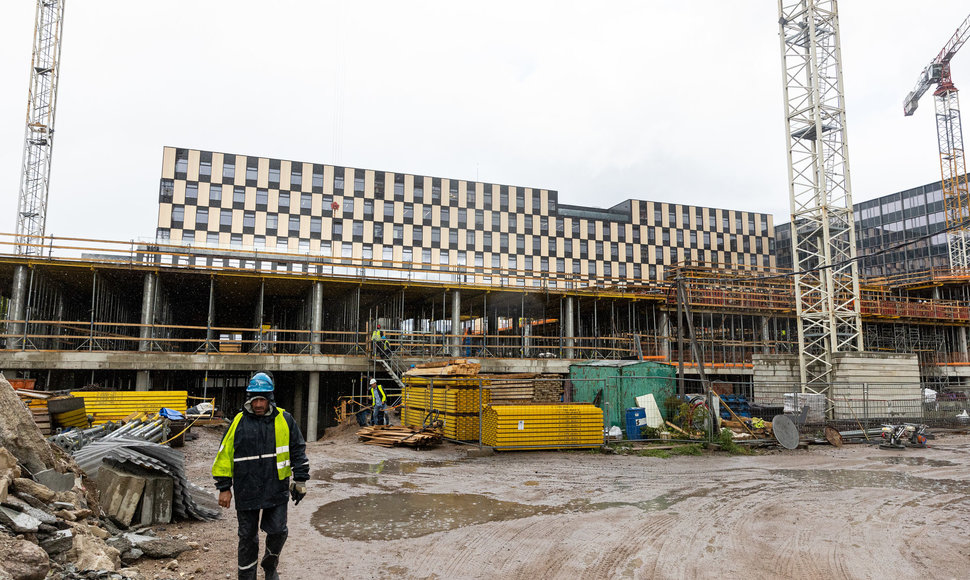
(853, 512)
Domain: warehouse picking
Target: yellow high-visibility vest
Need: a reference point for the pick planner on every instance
(227, 458)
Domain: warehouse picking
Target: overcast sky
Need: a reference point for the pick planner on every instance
(661, 100)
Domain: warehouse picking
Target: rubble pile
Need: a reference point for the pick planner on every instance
(51, 519)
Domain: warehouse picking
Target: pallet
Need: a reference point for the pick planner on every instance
(398, 436)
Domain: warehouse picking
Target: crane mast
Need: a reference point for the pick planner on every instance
(39, 132)
(822, 226)
(949, 136)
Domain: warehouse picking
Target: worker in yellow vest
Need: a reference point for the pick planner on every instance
(379, 403)
(260, 451)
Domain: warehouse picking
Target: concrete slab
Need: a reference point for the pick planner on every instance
(54, 480)
(19, 522)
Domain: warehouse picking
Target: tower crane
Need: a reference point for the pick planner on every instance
(949, 136)
(39, 133)
(822, 227)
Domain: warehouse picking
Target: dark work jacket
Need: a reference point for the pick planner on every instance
(256, 484)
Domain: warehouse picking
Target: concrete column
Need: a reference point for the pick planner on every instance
(316, 320)
(210, 338)
(455, 323)
(313, 406)
(17, 307)
(147, 313)
(765, 336)
(143, 381)
(962, 343)
(569, 329)
(663, 331)
(526, 338)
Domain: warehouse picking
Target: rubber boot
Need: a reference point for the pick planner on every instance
(269, 566)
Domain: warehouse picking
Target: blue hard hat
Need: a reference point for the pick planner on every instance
(260, 383)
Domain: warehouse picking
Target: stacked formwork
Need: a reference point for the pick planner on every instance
(542, 426)
(456, 401)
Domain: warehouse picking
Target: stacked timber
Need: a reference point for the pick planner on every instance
(512, 388)
(456, 401)
(526, 388)
(36, 402)
(398, 436)
(455, 367)
(537, 426)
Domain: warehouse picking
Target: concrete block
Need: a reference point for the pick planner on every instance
(156, 501)
(54, 480)
(120, 493)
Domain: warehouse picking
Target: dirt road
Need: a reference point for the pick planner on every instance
(854, 512)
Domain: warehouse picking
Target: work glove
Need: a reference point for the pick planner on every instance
(297, 491)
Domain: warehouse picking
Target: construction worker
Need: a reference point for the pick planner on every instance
(382, 347)
(379, 402)
(260, 452)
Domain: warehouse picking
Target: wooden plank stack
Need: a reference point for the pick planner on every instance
(543, 426)
(453, 367)
(526, 388)
(36, 402)
(399, 436)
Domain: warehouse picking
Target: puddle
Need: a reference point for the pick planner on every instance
(393, 516)
(917, 461)
(839, 479)
(370, 473)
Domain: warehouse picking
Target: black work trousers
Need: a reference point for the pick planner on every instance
(273, 522)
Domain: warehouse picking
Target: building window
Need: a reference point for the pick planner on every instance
(470, 239)
(338, 229)
(358, 182)
(436, 236)
(284, 202)
(306, 201)
(271, 222)
(249, 219)
(274, 173)
(417, 235)
(338, 180)
(358, 229)
(178, 216)
(235, 240)
(239, 196)
(419, 188)
(215, 194)
(368, 209)
(408, 212)
(181, 161)
(212, 238)
(388, 211)
(398, 232)
(470, 195)
(229, 167)
(225, 218)
(378, 233)
(262, 198)
(205, 167)
(487, 198)
(202, 218)
(252, 169)
(166, 191)
(294, 225)
(316, 179)
(296, 176)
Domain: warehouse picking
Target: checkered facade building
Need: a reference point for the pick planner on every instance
(219, 200)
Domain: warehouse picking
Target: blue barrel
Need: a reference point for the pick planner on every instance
(632, 415)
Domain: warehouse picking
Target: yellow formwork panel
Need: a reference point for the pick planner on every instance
(458, 427)
(117, 405)
(544, 426)
(76, 418)
(448, 400)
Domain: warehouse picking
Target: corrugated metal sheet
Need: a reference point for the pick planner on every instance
(117, 405)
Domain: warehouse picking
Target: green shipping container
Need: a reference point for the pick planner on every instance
(614, 385)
